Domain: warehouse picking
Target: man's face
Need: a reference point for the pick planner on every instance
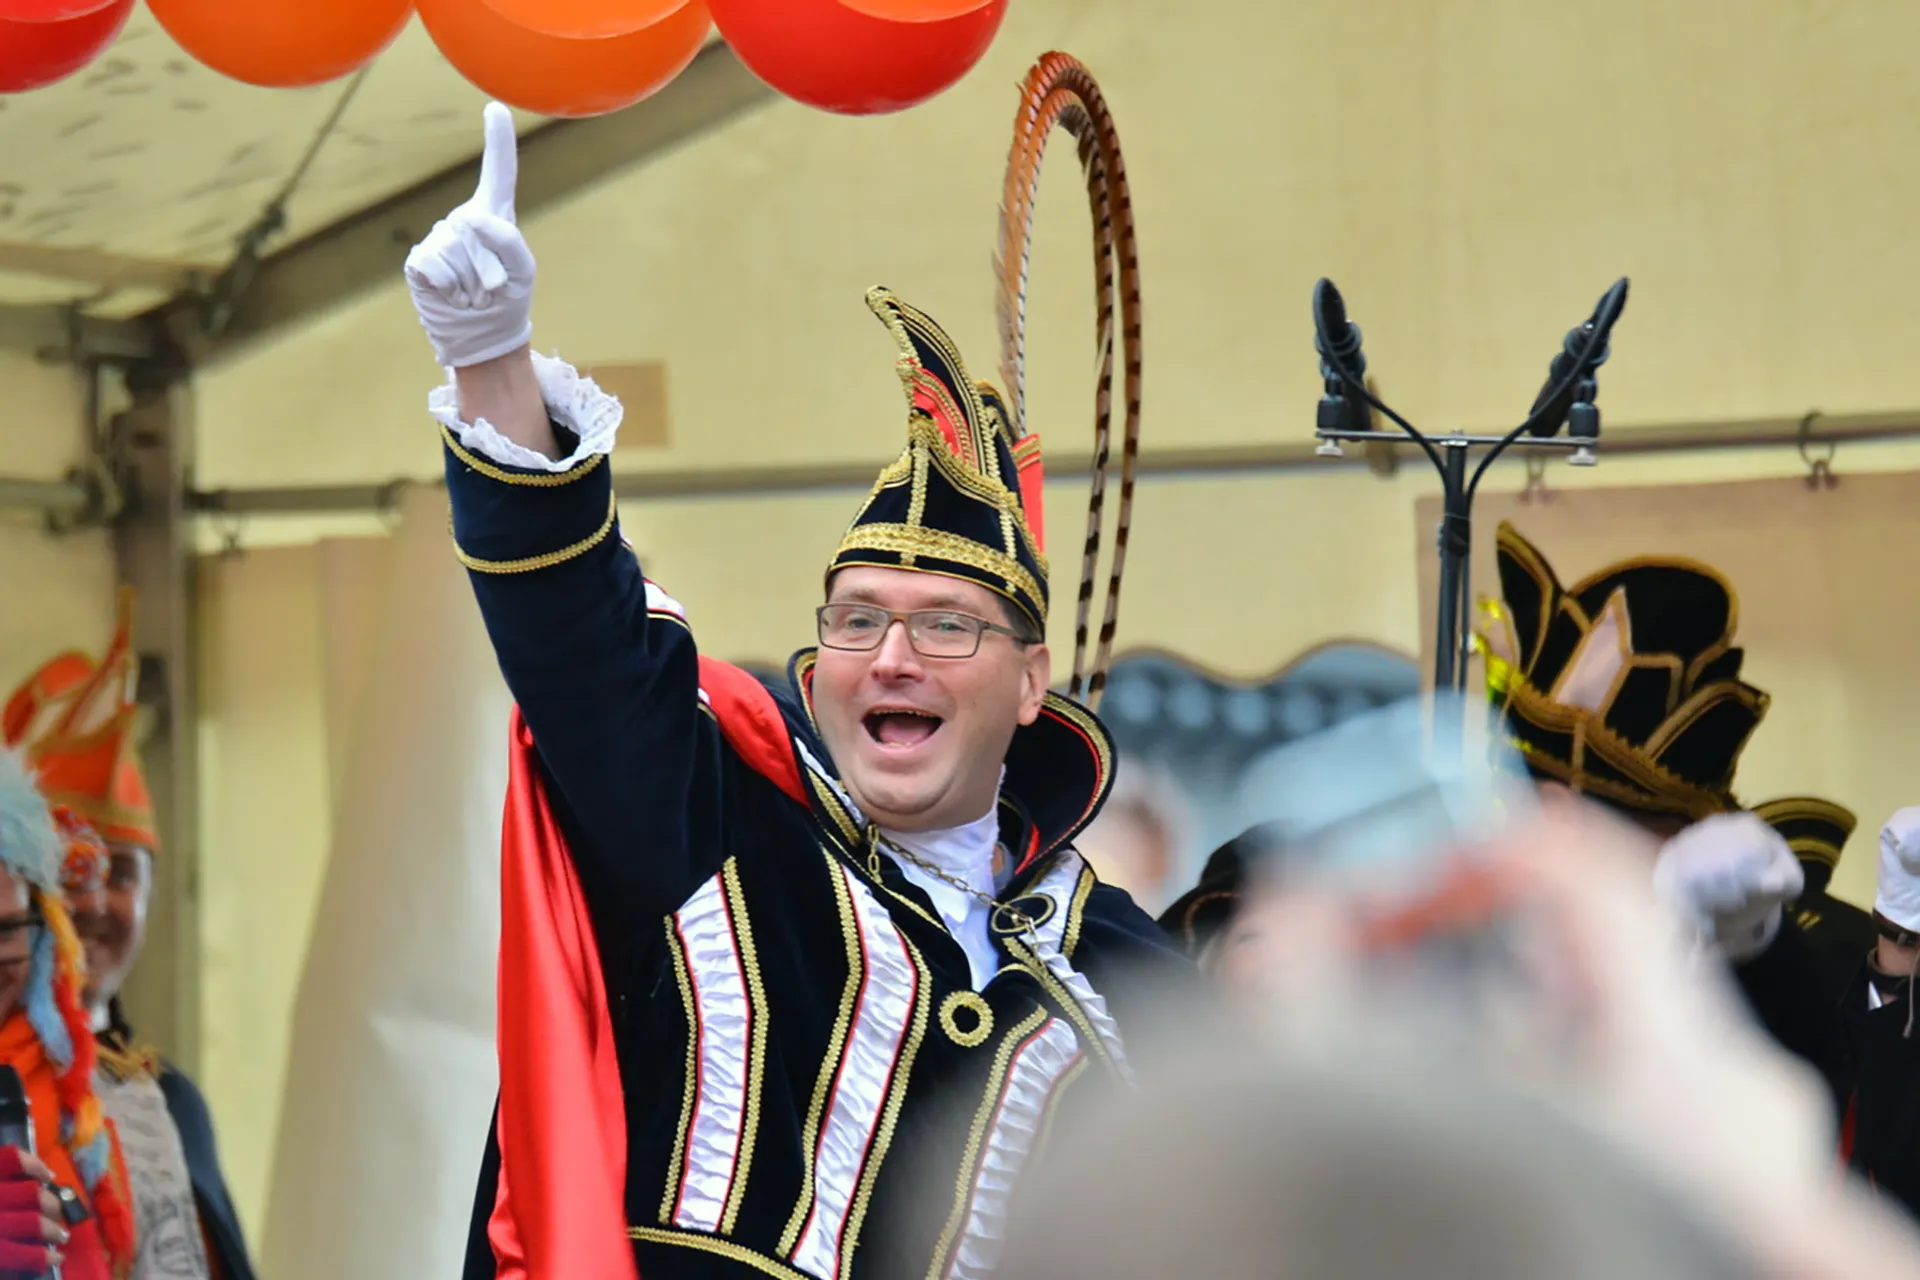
(112, 923)
(18, 928)
(919, 741)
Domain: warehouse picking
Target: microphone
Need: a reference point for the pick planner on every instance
(1337, 339)
(16, 1130)
(16, 1122)
(1568, 394)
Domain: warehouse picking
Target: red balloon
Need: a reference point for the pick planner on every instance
(48, 10)
(34, 54)
(283, 44)
(822, 53)
(556, 76)
(914, 10)
(584, 19)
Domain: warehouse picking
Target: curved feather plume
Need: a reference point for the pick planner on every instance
(1060, 91)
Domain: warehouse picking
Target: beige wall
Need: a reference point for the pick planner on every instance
(1473, 172)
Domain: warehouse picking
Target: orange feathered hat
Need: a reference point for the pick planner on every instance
(75, 719)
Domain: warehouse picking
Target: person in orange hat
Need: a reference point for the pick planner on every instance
(76, 718)
(46, 1040)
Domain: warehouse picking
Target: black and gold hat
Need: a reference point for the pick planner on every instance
(964, 498)
(1816, 830)
(1201, 914)
(1626, 687)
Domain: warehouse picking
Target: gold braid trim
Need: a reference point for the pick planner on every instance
(723, 1248)
(989, 1103)
(757, 1003)
(1076, 910)
(890, 1114)
(836, 1050)
(677, 1167)
(982, 1014)
(911, 540)
(925, 441)
(551, 558)
(535, 480)
(1650, 784)
(1030, 961)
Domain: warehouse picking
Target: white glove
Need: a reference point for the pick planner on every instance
(1898, 896)
(472, 277)
(1731, 875)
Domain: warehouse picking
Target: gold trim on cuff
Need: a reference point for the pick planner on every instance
(551, 558)
(541, 480)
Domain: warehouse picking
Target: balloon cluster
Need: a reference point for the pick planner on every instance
(551, 57)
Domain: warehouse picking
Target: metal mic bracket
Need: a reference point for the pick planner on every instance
(1345, 413)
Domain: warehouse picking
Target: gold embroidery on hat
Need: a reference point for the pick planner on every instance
(906, 540)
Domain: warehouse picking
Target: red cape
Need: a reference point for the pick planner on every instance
(559, 1210)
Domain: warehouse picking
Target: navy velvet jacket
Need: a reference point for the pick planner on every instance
(812, 1086)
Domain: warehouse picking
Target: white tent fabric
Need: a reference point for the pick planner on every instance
(392, 1073)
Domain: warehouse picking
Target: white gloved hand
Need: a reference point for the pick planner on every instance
(472, 277)
(1731, 875)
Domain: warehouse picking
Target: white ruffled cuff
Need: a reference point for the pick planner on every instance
(573, 401)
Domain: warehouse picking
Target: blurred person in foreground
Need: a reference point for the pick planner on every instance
(76, 718)
(45, 1037)
(1497, 1061)
(1625, 689)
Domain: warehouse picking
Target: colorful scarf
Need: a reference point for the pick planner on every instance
(50, 1043)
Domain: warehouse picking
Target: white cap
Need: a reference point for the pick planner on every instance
(1899, 896)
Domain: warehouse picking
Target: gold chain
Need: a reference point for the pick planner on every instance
(1021, 920)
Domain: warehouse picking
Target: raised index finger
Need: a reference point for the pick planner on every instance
(499, 163)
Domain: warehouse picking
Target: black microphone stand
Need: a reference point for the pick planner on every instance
(1346, 414)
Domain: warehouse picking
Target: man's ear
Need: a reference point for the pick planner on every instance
(1036, 677)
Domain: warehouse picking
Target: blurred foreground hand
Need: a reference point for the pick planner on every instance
(1548, 1010)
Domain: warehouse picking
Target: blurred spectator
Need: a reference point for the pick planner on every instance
(1137, 841)
(1610, 1113)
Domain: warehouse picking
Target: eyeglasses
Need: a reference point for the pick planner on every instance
(933, 633)
(18, 935)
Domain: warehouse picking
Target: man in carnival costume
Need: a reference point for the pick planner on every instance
(46, 1038)
(765, 950)
(76, 719)
(1625, 688)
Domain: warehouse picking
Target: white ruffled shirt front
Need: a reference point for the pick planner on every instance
(967, 854)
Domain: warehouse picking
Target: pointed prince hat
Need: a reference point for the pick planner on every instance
(964, 498)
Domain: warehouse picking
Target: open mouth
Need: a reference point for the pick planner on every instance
(901, 728)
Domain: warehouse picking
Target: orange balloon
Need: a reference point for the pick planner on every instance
(557, 76)
(915, 10)
(585, 19)
(283, 44)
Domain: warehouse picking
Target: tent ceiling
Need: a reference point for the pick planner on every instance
(137, 178)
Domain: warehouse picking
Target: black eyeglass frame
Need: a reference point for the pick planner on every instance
(906, 620)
